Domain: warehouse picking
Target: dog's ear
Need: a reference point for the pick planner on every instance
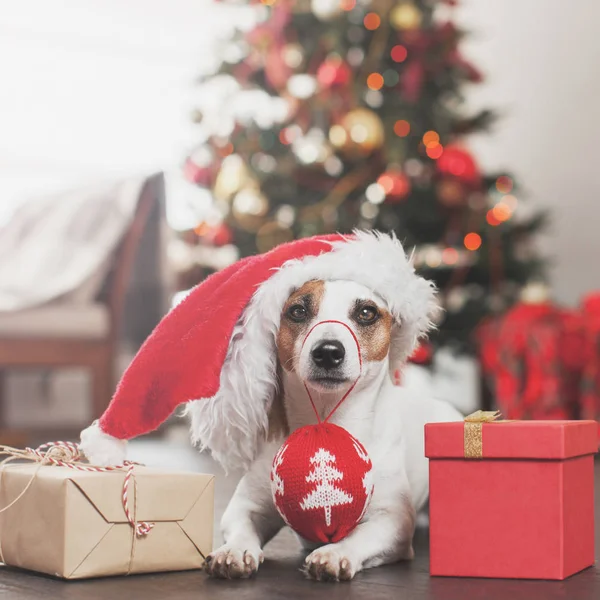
(278, 424)
(235, 422)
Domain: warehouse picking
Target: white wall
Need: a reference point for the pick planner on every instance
(542, 61)
(97, 88)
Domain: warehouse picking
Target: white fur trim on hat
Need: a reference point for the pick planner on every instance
(100, 448)
(234, 422)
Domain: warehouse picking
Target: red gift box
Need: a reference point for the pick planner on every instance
(511, 499)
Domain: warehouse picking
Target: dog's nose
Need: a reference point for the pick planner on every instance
(329, 354)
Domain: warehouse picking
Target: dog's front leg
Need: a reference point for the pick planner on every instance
(248, 523)
(384, 536)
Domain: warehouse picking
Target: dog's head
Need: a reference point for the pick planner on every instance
(334, 333)
(329, 320)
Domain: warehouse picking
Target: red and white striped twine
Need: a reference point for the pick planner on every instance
(67, 454)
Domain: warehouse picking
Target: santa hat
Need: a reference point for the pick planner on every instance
(216, 349)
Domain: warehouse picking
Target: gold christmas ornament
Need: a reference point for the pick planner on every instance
(232, 177)
(406, 16)
(272, 234)
(359, 132)
(249, 208)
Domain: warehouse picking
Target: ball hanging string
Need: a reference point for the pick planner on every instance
(349, 391)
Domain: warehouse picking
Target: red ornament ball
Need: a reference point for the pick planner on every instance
(321, 482)
(333, 72)
(459, 163)
(396, 185)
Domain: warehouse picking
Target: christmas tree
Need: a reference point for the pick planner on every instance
(330, 115)
(325, 494)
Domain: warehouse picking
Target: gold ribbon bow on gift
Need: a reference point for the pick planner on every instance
(473, 435)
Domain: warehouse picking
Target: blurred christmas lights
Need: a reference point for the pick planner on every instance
(399, 53)
(435, 152)
(372, 21)
(472, 241)
(450, 256)
(431, 139)
(375, 81)
(401, 128)
(502, 212)
(504, 184)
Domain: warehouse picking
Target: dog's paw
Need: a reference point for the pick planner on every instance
(328, 564)
(229, 562)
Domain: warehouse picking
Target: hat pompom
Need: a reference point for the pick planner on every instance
(100, 448)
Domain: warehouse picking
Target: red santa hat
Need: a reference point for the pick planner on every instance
(216, 349)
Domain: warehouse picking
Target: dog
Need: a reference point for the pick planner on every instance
(387, 419)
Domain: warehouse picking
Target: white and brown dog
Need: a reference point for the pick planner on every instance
(389, 420)
(244, 346)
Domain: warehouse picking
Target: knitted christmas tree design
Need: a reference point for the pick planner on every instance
(277, 481)
(325, 494)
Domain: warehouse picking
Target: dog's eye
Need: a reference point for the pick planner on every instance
(367, 315)
(297, 313)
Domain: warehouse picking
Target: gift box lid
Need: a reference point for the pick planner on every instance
(515, 439)
(157, 495)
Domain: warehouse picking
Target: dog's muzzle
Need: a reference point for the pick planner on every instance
(330, 355)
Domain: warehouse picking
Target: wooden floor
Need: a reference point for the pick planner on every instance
(279, 577)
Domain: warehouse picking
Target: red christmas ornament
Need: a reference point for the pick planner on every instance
(459, 163)
(333, 72)
(396, 185)
(321, 482)
(321, 478)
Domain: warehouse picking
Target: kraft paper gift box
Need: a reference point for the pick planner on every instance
(72, 524)
(511, 499)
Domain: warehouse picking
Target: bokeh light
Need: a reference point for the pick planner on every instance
(372, 21)
(504, 184)
(399, 53)
(347, 5)
(337, 135)
(450, 256)
(433, 259)
(375, 193)
(472, 241)
(431, 139)
(386, 182)
(401, 128)
(375, 81)
(502, 212)
(435, 151)
(491, 218)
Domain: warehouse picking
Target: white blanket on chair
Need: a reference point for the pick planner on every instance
(61, 244)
